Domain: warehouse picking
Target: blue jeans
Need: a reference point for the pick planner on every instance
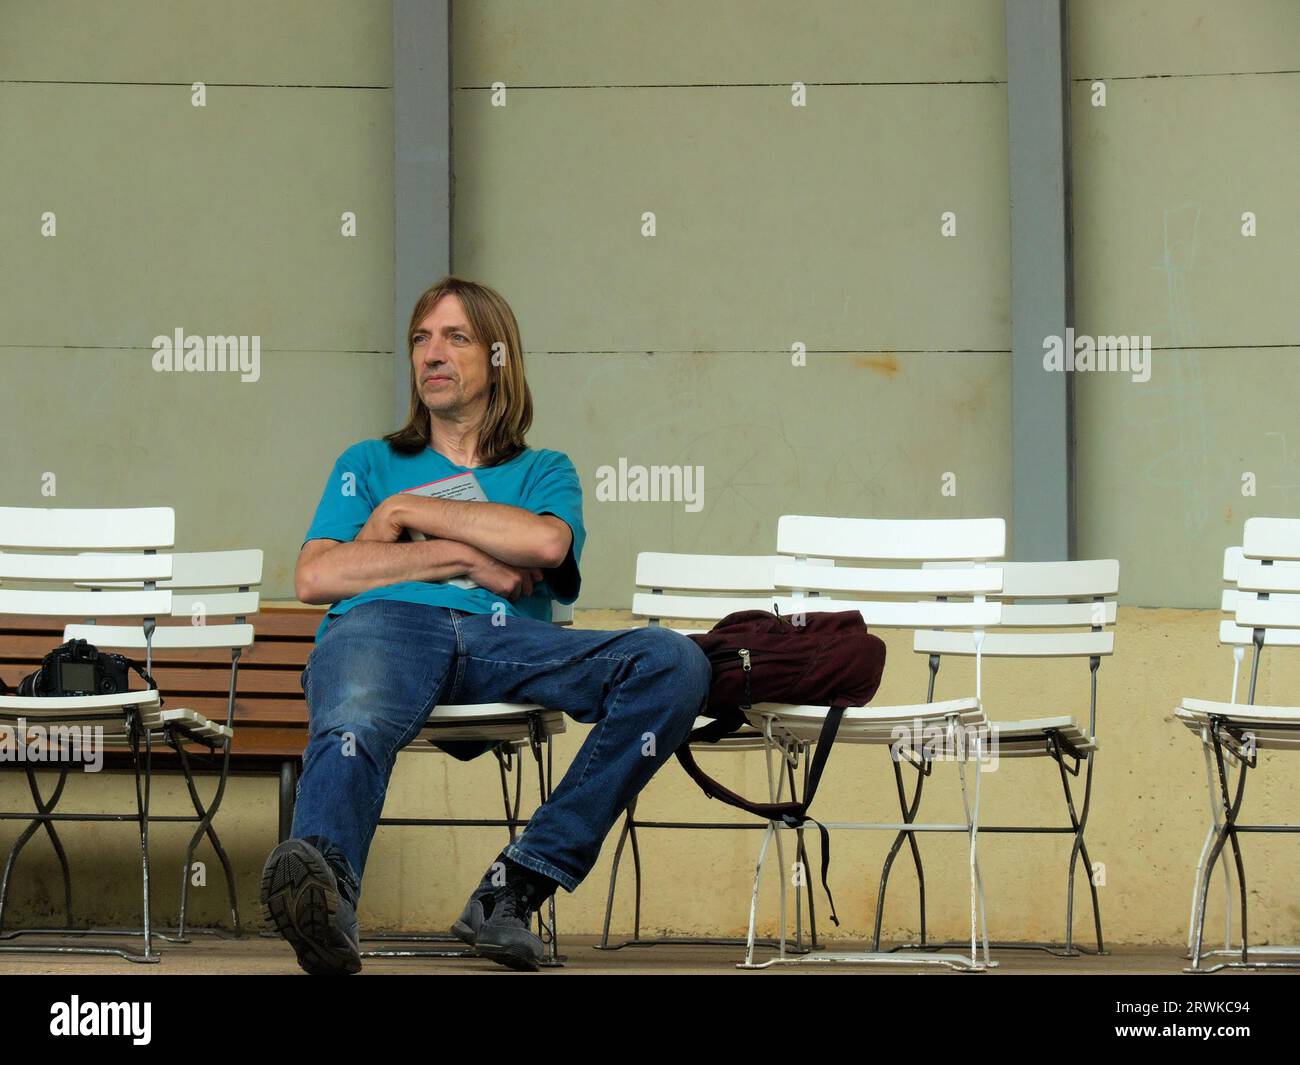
(380, 668)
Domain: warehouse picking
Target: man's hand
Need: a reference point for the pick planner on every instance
(513, 582)
(382, 526)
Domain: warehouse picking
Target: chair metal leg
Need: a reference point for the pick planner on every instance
(1230, 823)
(908, 811)
(288, 791)
(1210, 832)
(775, 789)
(1079, 847)
(142, 805)
(205, 828)
(768, 833)
(43, 806)
(803, 854)
(539, 742)
(628, 816)
(506, 765)
(978, 918)
(1230, 806)
(923, 767)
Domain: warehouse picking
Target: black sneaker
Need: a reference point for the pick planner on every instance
(505, 935)
(313, 907)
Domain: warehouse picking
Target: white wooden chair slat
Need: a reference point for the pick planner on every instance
(808, 729)
(901, 614)
(702, 607)
(967, 709)
(706, 573)
(1231, 633)
(1272, 538)
(1230, 597)
(891, 539)
(207, 569)
(1018, 644)
(141, 604)
(1268, 613)
(1047, 615)
(195, 722)
(965, 580)
(1203, 708)
(113, 730)
(1232, 560)
(489, 721)
(38, 705)
(498, 731)
(214, 604)
(1052, 580)
(71, 731)
(1254, 576)
(165, 637)
(464, 712)
(138, 528)
(97, 568)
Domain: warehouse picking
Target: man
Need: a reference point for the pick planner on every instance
(461, 615)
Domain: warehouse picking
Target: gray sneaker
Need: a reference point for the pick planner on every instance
(505, 936)
(466, 926)
(312, 907)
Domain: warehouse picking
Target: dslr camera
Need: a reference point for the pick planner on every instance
(77, 668)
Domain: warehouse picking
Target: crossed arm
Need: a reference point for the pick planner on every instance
(503, 548)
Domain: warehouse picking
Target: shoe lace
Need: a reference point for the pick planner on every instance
(520, 905)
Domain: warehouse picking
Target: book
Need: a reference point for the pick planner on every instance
(459, 486)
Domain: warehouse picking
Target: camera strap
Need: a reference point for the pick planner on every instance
(153, 684)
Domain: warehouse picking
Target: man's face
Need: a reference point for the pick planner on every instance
(451, 363)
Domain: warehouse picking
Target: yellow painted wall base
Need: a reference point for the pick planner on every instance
(1148, 821)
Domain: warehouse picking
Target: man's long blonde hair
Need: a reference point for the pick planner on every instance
(510, 403)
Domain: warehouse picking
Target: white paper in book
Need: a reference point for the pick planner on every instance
(459, 486)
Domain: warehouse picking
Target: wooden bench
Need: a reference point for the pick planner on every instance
(270, 711)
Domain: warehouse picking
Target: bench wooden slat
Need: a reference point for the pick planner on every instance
(269, 623)
(19, 650)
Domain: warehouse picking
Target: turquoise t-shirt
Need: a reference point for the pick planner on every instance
(542, 481)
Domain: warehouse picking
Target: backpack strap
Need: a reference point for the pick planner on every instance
(794, 814)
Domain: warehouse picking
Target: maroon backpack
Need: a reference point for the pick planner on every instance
(828, 659)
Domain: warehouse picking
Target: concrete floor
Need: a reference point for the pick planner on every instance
(261, 955)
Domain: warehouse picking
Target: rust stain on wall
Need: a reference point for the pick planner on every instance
(886, 364)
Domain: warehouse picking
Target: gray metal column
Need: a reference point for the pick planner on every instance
(421, 167)
(1042, 281)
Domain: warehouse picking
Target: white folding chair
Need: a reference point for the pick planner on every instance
(511, 728)
(135, 716)
(669, 587)
(1075, 624)
(197, 582)
(955, 729)
(1265, 608)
